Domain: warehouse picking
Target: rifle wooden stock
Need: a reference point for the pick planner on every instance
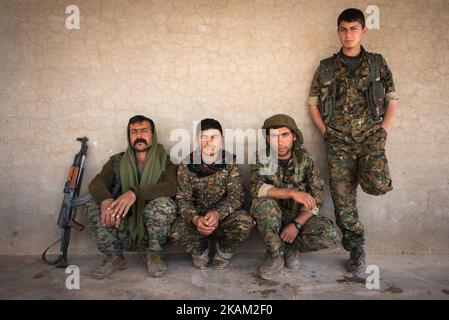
(73, 177)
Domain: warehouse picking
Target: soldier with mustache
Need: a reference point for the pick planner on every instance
(132, 207)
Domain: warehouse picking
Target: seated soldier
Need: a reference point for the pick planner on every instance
(209, 199)
(132, 207)
(286, 201)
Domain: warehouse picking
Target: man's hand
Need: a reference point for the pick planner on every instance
(105, 213)
(212, 218)
(202, 225)
(304, 198)
(289, 233)
(120, 207)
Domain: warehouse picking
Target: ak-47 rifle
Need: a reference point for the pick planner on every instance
(71, 200)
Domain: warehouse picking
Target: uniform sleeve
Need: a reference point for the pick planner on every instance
(387, 78)
(101, 184)
(234, 193)
(184, 195)
(314, 183)
(259, 188)
(315, 88)
(165, 188)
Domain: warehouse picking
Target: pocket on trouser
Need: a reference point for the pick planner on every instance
(92, 212)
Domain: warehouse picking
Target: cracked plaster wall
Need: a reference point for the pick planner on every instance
(236, 61)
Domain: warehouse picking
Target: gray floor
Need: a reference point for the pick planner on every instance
(321, 276)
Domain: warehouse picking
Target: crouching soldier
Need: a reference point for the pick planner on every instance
(286, 200)
(209, 199)
(132, 207)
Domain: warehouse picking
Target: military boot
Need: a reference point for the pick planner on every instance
(109, 265)
(202, 260)
(156, 266)
(221, 259)
(356, 259)
(292, 260)
(270, 267)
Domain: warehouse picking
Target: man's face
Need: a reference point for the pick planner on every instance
(211, 142)
(140, 136)
(351, 34)
(282, 140)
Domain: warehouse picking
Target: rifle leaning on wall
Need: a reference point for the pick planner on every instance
(71, 200)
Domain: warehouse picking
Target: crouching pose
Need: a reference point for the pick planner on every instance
(209, 199)
(132, 207)
(286, 200)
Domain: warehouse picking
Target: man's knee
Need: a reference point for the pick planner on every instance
(265, 207)
(375, 178)
(162, 205)
(181, 229)
(239, 223)
(375, 183)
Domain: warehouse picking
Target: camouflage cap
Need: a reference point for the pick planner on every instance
(283, 120)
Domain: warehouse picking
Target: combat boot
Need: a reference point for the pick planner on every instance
(270, 267)
(356, 259)
(292, 259)
(156, 266)
(202, 260)
(109, 265)
(221, 259)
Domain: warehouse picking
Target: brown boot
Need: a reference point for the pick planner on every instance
(109, 265)
(221, 259)
(270, 267)
(292, 260)
(202, 260)
(156, 266)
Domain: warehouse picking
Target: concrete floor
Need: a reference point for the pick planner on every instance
(322, 276)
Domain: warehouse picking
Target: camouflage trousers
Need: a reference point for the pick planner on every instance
(158, 217)
(318, 233)
(231, 231)
(350, 164)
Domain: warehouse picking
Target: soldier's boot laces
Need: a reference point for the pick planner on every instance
(202, 260)
(108, 266)
(221, 259)
(356, 259)
(270, 267)
(292, 259)
(156, 266)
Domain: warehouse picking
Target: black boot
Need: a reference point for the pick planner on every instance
(356, 259)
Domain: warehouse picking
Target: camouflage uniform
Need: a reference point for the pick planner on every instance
(222, 191)
(355, 144)
(159, 213)
(272, 215)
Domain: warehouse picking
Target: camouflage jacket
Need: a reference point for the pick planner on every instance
(301, 174)
(351, 117)
(222, 191)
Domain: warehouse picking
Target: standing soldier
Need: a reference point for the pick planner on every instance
(132, 207)
(209, 199)
(353, 102)
(286, 201)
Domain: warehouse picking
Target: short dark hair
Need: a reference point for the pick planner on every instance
(139, 119)
(351, 15)
(207, 124)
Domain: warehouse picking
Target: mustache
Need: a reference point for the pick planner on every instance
(140, 140)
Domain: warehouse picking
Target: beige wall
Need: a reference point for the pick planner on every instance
(237, 61)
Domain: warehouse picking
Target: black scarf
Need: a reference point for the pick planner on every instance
(203, 169)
